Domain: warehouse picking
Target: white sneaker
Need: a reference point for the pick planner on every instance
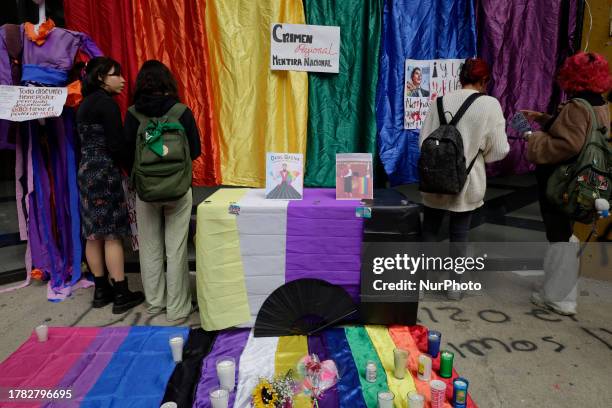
(562, 308)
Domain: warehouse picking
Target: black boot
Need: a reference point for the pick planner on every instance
(103, 294)
(124, 298)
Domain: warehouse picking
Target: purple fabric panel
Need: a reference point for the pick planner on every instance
(57, 147)
(228, 343)
(316, 345)
(324, 240)
(5, 62)
(523, 66)
(59, 50)
(86, 371)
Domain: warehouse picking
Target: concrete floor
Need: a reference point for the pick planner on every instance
(514, 354)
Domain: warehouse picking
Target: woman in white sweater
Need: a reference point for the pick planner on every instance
(483, 130)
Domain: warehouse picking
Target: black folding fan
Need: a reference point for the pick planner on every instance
(303, 307)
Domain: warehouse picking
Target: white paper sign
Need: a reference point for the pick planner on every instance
(20, 103)
(299, 47)
(424, 81)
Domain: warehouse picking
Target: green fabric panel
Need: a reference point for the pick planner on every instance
(363, 351)
(341, 107)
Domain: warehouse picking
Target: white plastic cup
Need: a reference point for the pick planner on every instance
(169, 404)
(226, 371)
(400, 358)
(385, 399)
(176, 345)
(219, 397)
(438, 393)
(42, 332)
(415, 400)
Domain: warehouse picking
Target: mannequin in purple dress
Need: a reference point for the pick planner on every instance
(47, 193)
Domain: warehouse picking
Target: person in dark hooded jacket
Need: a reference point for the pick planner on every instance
(162, 226)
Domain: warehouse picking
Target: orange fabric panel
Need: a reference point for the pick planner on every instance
(173, 32)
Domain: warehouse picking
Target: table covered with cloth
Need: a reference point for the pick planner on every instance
(247, 246)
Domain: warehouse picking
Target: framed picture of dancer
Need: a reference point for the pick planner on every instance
(354, 179)
(284, 176)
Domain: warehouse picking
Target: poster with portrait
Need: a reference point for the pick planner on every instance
(284, 176)
(424, 81)
(354, 179)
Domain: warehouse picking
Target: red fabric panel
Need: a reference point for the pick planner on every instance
(110, 24)
(173, 32)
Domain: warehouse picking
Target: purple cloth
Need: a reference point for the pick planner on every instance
(324, 240)
(87, 370)
(524, 65)
(316, 345)
(229, 343)
(59, 50)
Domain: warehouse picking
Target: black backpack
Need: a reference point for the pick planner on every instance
(442, 167)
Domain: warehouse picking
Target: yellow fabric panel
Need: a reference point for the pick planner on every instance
(384, 345)
(258, 110)
(289, 351)
(222, 293)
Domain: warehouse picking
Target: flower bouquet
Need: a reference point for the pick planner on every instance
(275, 393)
(319, 376)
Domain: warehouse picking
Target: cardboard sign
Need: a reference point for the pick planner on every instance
(299, 47)
(424, 81)
(21, 103)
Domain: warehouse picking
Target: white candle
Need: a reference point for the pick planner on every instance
(219, 398)
(424, 370)
(385, 399)
(400, 358)
(226, 371)
(42, 332)
(176, 345)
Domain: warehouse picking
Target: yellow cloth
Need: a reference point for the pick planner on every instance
(258, 110)
(289, 351)
(222, 295)
(384, 345)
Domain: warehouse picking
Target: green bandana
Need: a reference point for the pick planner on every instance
(154, 132)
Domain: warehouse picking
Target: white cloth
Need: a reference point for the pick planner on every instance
(262, 227)
(257, 360)
(483, 129)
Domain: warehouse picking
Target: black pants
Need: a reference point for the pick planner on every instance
(559, 227)
(459, 225)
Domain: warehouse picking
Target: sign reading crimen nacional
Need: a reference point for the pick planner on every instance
(298, 47)
(20, 103)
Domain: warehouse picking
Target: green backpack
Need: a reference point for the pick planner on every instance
(162, 164)
(574, 187)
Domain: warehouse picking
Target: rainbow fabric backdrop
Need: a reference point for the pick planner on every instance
(133, 367)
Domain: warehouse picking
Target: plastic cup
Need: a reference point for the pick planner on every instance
(385, 399)
(42, 332)
(415, 400)
(226, 371)
(400, 358)
(176, 345)
(438, 393)
(219, 397)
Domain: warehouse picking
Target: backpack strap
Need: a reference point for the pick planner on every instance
(464, 107)
(175, 112)
(441, 114)
(594, 121)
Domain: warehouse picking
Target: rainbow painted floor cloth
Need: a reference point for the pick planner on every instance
(133, 367)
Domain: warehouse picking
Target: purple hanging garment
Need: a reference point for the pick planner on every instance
(524, 63)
